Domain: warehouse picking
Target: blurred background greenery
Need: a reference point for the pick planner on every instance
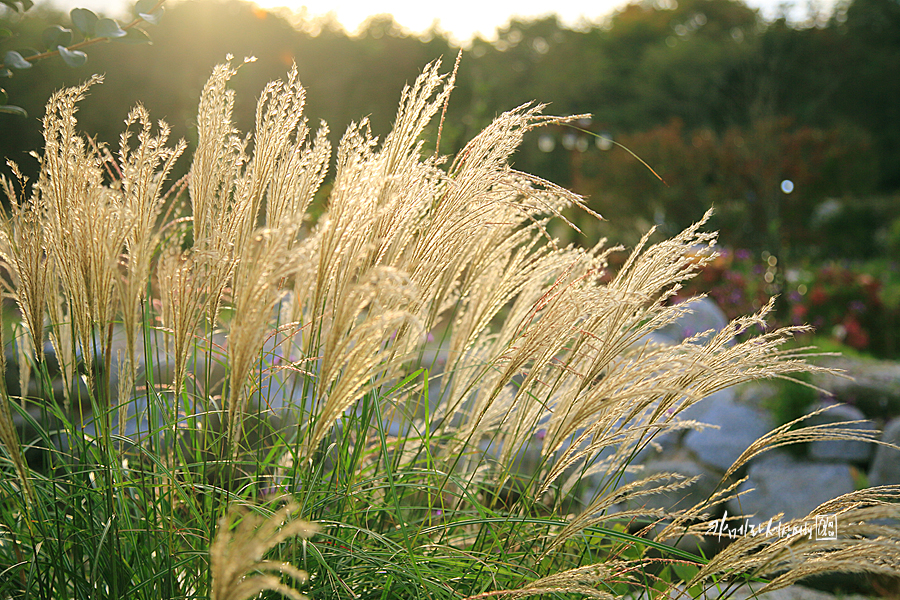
(792, 132)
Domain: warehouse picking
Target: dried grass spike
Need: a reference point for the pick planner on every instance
(239, 571)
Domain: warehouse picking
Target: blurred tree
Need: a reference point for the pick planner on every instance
(870, 89)
(741, 172)
(682, 84)
(843, 70)
(686, 62)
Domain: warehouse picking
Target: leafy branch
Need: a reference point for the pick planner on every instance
(58, 39)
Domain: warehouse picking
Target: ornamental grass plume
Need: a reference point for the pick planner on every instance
(9, 438)
(580, 580)
(236, 555)
(23, 250)
(269, 352)
(86, 249)
(143, 171)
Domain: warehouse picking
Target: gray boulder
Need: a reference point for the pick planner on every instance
(749, 592)
(839, 450)
(682, 463)
(885, 469)
(794, 592)
(874, 388)
(756, 394)
(778, 484)
(698, 411)
(704, 315)
(738, 427)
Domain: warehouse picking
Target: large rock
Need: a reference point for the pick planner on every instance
(840, 450)
(738, 427)
(874, 387)
(667, 441)
(698, 410)
(704, 315)
(794, 592)
(885, 469)
(682, 463)
(750, 592)
(779, 484)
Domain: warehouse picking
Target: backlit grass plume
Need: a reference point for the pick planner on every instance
(453, 397)
(236, 556)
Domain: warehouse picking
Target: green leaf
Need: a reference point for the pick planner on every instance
(73, 58)
(5, 33)
(685, 572)
(144, 6)
(108, 28)
(84, 20)
(696, 591)
(14, 59)
(662, 585)
(144, 9)
(56, 35)
(153, 18)
(13, 110)
(26, 4)
(135, 36)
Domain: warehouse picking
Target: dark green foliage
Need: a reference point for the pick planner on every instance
(15, 4)
(56, 35)
(73, 58)
(84, 20)
(793, 400)
(14, 60)
(58, 40)
(857, 308)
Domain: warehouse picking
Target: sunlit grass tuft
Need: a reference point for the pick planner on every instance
(449, 395)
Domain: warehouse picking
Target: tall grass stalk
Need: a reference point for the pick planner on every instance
(422, 371)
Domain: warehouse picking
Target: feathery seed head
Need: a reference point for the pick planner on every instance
(239, 571)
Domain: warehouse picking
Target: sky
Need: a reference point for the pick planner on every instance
(462, 19)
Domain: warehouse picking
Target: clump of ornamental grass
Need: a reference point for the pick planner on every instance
(423, 371)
